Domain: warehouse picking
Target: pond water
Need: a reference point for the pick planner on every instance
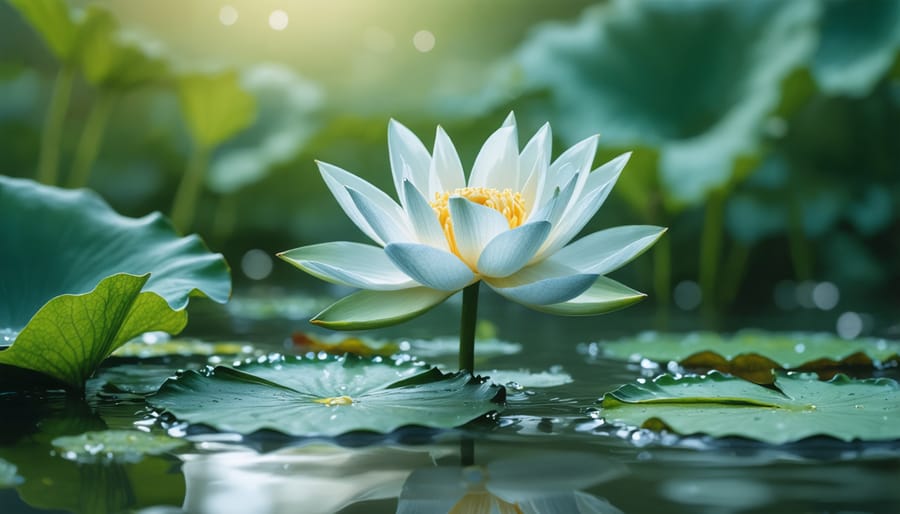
(547, 451)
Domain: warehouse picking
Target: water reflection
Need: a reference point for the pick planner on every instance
(50, 482)
(546, 482)
(314, 479)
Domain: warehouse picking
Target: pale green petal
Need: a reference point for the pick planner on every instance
(431, 267)
(534, 161)
(605, 295)
(338, 180)
(574, 162)
(474, 227)
(350, 264)
(497, 164)
(422, 218)
(542, 283)
(511, 250)
(409, 158)
(386, 225)
(608, 250)
(599, 184)
(374, 309)
(446, 168)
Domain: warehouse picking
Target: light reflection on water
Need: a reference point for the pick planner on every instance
(549, 449)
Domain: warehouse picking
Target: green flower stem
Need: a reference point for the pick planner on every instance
(467, 452)
(662, 279)
(91, 138)
(185, 205)
(710, 248)
(51, 137)
(735, 266)
(467, 328)
(801, 257)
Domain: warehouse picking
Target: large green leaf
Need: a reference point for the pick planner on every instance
(313, 397)
(858, 45)
(78, 280)
(754, 354)
(701, 100)
(722, 406)
(215, 106)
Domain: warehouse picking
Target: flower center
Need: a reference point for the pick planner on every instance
(335, 401)
(506, 202)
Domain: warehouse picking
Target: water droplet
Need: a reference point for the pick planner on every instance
(799, 347)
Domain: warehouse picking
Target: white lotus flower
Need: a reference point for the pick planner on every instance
(509, 225)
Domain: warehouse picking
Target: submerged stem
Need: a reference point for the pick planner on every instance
(467, 328)
(51, 136)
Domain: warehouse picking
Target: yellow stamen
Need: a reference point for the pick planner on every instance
(509, 204)
(335, 401)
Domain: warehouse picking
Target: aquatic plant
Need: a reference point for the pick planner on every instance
(509, 225)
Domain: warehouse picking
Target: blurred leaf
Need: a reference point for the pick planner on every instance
(795, 409)
(314, 397)
(53, 21)
(702, 99)
(215, 106)
(108, 60)
(80, 280)
(287, 118)
(858, 45)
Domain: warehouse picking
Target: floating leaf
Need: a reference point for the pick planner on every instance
(136, 379)
(114, 446)
(312, 397)
(723, 406)
(304, 342)
(8, 476)
(80, 280)
(754, 354)
(702, 103)
(522, 378)
(182, 347)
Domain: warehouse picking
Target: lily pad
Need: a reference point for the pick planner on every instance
(326, 397)
(754, 354)
(183, 347)
(8, 476)
(522, 378)
(79, 280)
(723, 406)
(113, 446)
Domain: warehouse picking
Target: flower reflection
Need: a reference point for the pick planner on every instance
(539, 484)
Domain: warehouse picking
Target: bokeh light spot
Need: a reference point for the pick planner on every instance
(256, 264)
(424, 41)
(228, 15)
(278, 20)
(849, 325)
(826, 296)
(687, 295)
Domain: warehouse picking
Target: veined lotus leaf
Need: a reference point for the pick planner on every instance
(80, 280)
(858, 45)
(754, 354)
(8, 476)
(113, 446)
(702, 102)
(326, 397)
(723, 406)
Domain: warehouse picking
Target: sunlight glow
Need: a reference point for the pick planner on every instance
(424, 41)
(228, 15)
(278, 20)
